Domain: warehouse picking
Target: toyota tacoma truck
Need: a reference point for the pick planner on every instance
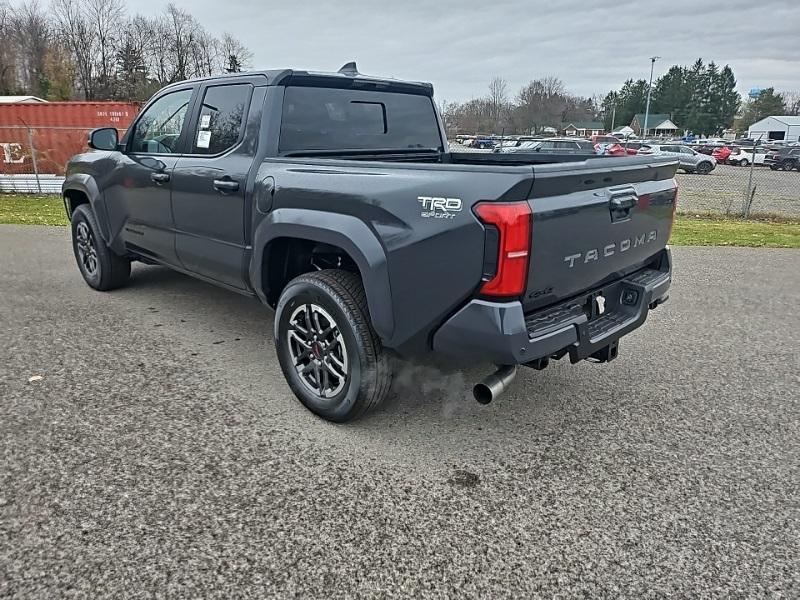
(333, 198)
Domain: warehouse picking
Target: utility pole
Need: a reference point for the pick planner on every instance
(653, 60)
(613, 117)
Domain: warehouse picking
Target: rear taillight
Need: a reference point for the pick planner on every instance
(512, 220)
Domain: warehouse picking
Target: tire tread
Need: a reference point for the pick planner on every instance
(349, 289)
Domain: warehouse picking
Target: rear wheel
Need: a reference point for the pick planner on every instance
(328, 351)
(744, 162)
(101, 268)
(787, 165)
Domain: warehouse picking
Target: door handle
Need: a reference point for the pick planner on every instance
(226, 185)
(159, 177)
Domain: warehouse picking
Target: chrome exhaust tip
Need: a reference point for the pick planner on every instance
(495, 384)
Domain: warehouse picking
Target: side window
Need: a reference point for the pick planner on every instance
(159, 128)
(686, 150)
(221, 118)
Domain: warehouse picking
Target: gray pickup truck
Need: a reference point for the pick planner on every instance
(333, 198)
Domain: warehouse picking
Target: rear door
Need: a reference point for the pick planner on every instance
(209, 185)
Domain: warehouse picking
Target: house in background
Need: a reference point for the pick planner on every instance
(16, 99)
(584, 128)
(657, 125)
(779, 127)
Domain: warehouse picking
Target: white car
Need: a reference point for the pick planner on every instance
(743, 157)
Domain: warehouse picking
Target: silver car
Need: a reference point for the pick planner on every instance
(689, 160)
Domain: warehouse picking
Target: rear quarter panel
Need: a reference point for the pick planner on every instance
(433, 262)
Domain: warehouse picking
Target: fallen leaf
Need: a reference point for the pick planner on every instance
(33, 378)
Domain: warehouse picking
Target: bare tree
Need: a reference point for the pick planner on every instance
(235, 55)
(792, 100)
(8, 51)
(79, 37)
(183, 29)
(105, 18)
(92, 45)
(205, 55)
(498, 100)
(541, 103)
(33, 35)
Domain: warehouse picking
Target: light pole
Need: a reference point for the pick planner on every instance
(653, 60)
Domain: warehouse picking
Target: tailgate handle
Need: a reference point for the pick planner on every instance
(624, 202)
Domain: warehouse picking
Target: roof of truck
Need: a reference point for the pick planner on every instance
(346, 77)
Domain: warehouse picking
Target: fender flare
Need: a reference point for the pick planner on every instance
(86, 184)
(345, 231)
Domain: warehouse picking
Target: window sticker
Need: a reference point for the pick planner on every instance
(203, 139)
(205, 121)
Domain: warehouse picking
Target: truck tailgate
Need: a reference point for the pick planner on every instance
(593, 222)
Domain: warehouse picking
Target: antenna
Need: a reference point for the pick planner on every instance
(349, 69)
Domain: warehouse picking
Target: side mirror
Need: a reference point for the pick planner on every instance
(105, 138)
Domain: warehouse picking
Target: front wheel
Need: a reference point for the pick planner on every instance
(329, 353)
(704, 168)
(744, 162)
(786, 165)
(101, 268)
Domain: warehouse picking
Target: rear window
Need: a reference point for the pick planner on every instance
(334, 119)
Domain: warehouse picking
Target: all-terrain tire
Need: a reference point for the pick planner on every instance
(338, 302)
(100, 266)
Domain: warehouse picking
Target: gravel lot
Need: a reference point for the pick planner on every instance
(161, 453)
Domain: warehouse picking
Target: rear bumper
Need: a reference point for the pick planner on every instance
(500, 332)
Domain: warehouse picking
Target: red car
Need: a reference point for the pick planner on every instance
(612, 149)
(721, 154)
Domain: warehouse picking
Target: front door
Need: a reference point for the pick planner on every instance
(139, 188)
(209, 181)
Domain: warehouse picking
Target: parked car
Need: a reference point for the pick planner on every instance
(637, 148)
(690, 160)
(785, 159)
(231, 179)
(556, 146)
(507, 143)
(721, 154)
(743, 156)
(604, 139)
(610, 149)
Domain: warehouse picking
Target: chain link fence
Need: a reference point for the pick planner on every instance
(754, 190)
(741, 191)
(32, 160)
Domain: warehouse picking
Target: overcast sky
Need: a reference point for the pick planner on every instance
(459, 45)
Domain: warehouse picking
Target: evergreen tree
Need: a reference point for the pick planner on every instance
(629, 100)
(768, 103)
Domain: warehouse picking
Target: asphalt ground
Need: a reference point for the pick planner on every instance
(161, 454)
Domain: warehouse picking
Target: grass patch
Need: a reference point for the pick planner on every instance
(708, 230)
(769, 231)
(24, 209)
